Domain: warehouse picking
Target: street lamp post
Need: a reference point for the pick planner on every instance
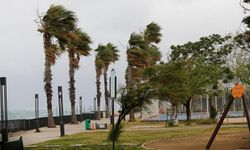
(4, 111)
(113, 87)
(80, 104)
(60, 102)
(37, 112)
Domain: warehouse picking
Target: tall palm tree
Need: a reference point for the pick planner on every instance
(78, 45)
(54, 25)
(106, 54)
(110, 56)
(98, 67)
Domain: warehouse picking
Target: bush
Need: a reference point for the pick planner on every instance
(117, 132)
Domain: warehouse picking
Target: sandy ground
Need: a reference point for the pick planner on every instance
(223, 141)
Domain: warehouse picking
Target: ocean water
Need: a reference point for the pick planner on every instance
(29, 113)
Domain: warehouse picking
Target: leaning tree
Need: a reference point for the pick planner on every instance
(142, 53)
(106, 54)
(54, 25)
(77, 45)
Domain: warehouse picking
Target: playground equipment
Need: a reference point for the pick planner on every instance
(237, 92)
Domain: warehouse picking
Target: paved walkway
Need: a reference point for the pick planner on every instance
(31, 137)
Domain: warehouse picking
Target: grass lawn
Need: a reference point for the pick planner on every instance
(134, 135)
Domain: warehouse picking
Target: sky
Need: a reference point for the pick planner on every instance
(22, 53)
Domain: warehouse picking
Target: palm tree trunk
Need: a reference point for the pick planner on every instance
(47, 80)
(72, 87)
(98, 92)
(107, 106)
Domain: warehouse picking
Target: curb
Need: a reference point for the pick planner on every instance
(148, 148)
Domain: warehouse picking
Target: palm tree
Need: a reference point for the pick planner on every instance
(110, 56)
(106, 54)
(98, 67)
(54, 25)
(78, 45)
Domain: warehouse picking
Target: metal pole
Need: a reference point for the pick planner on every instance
(94, 104)
(201, 102)
(220, 122)
(113, 124)
(113, 113)
(80, 104)
(37, 112)
(215, 101)
(4, 110)
(207, 105)
(111, 117)
(234, 106)
(246, 111)
(60, 100)
(113, 86)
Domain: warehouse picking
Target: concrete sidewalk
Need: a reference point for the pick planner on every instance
(46, 134)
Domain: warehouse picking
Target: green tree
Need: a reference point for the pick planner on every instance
(168, 81)
(54, 25)
(141, 53)
(78, 45)
(131, 97)
(208, 57)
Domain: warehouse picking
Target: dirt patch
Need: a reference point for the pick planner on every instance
(223, 141)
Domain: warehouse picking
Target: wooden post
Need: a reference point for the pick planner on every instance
(220, 123)
(246, 111)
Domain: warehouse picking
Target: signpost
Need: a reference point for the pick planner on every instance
(112, 88)
(237, 92)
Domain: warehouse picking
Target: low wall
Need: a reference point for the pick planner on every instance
(29, 124)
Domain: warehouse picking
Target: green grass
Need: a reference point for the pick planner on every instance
(200, 122)
(130, 138)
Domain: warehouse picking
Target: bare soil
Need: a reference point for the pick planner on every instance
(223, 141)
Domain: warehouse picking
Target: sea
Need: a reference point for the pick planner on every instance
(29, 113)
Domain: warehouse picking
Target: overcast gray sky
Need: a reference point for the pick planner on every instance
(21, 51)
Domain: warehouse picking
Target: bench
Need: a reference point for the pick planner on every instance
(13, 145)
(101, 126)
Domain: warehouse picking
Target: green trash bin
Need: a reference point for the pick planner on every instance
(88, 124)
